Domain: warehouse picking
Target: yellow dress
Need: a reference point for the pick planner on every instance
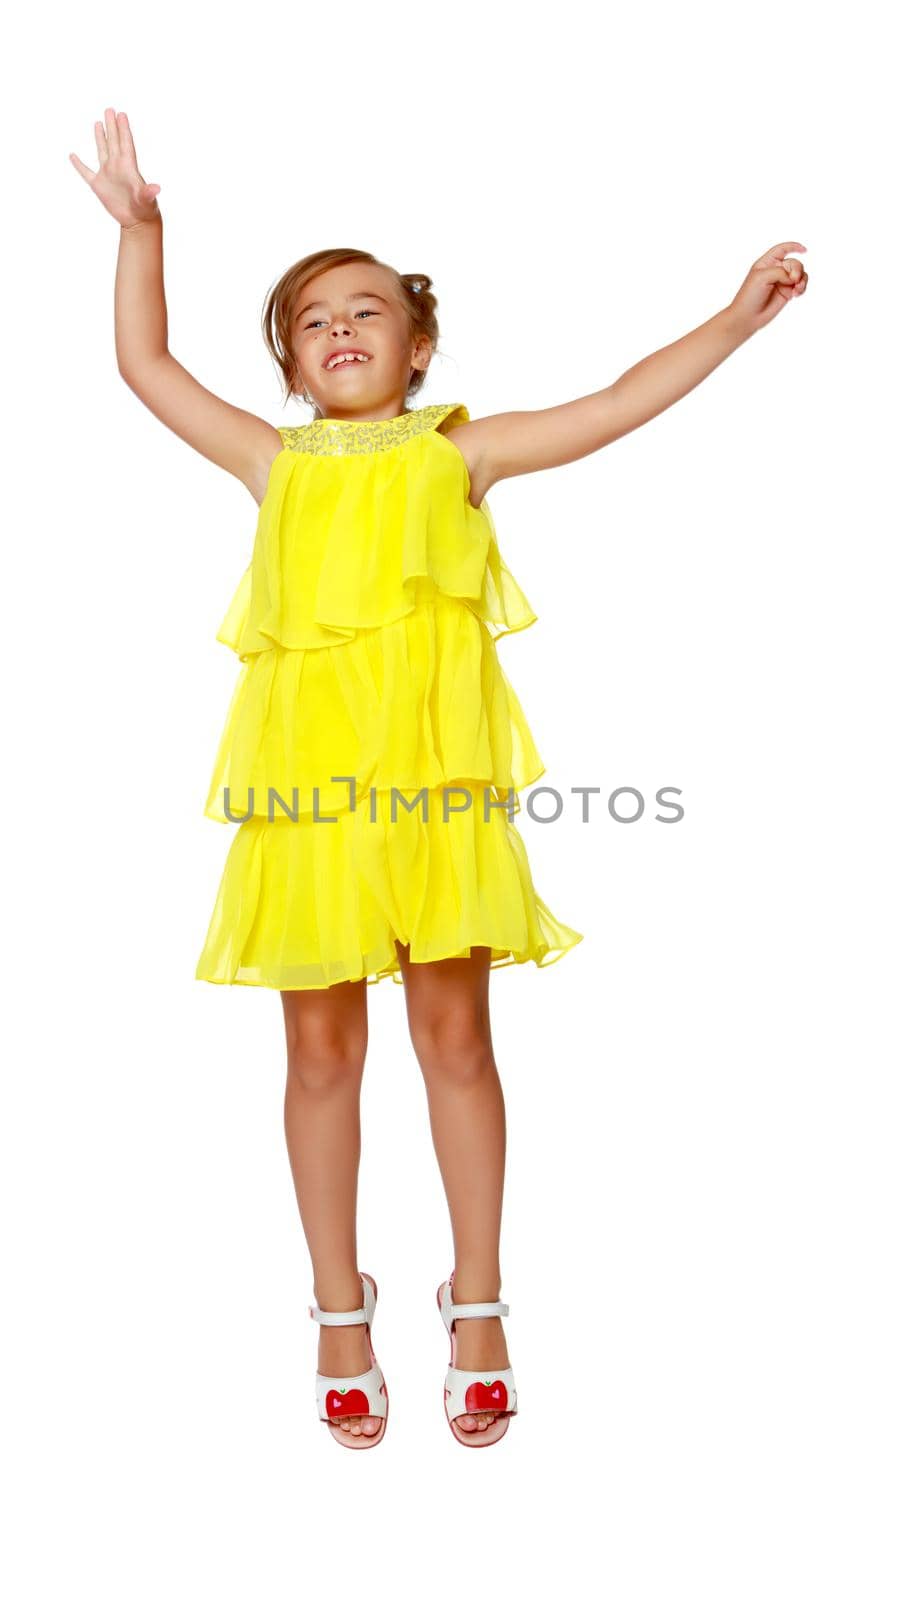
(374, 744)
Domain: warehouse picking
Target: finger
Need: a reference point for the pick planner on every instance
(778, 273)
(783, 288)
(797, 278)
(125, 140)
(112, 131)
(79, 166)
(777, 252)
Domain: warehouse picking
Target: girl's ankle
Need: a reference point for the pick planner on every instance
(339, 1292)
(471, 1288)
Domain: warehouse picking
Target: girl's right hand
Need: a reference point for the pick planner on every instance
(117, 182)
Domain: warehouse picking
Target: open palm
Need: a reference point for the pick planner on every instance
(117, 182)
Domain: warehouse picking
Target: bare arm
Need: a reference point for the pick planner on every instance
(237, 440)
(240, 442)
(515, 442)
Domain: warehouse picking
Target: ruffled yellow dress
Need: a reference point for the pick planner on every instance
(374, 745)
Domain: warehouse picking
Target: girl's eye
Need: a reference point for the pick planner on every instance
(363, 313)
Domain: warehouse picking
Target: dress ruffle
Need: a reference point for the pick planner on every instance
(386, 530)
(367, 624)
(418, 703)
(303, 905)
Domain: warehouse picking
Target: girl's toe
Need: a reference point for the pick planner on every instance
(468, 1423)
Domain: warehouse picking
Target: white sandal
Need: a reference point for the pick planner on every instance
(466, 1391)
(365, 1393)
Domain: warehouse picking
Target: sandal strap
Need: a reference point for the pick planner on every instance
(362, 1395)
(471, 1308)
(480, 1308)
(341, 1319)
(338, 1319)
(479, 1391)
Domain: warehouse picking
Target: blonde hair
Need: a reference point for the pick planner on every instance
(415, 296)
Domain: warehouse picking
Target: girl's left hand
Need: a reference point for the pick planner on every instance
(769, 285)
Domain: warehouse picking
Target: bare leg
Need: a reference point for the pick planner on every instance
(327, 1037)
(449, 1023)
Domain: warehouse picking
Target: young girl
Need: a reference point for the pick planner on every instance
(374, 746)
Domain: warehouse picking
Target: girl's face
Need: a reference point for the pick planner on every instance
(355, 307)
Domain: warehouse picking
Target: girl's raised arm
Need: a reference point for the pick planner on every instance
(513, 442)
(238, 441)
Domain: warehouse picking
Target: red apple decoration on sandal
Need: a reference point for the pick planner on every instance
(349, 1402)
(487, 1397)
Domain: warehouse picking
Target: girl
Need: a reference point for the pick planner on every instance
(366, 624)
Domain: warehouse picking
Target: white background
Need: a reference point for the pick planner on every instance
(700, 1242)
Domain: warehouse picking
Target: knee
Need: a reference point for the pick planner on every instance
(322, 1060)
(453, 1049)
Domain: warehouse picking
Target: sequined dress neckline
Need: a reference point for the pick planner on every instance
(360, 436)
